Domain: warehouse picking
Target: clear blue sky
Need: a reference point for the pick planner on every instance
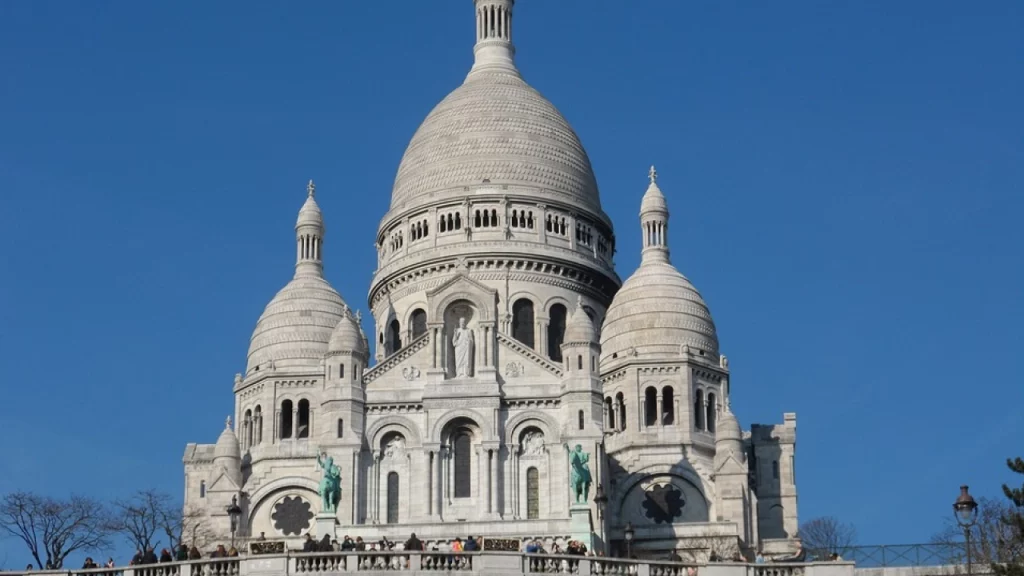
(846, 178)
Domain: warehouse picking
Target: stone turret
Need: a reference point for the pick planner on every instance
(227, 454)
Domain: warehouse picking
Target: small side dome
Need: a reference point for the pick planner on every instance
(654, 199)
(227, 444)
(580, 327)
(346, 336)
(729, 437)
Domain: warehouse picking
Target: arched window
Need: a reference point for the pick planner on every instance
(247, 429)
(532, 493)
(650, 406)
(668, 406)
(303, 427)
(712, 412)
(393, 498)
(463, 465)
(285, 430)
(202, 488)
(609, 413)
(579, 362)
(341, 371)
(257, 420)
(581, 419)
(341, 427)
(522, 321)
(775, 469)
(394, 336)
(698, 409)
(621, 401)
(556, 331)
(419, 323)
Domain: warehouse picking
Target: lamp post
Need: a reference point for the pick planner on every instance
(601, 500)
(965, 510)
(629, 534)
(234, 512)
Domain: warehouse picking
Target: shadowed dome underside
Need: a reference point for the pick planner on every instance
(495, 127)
(656, 312)
(296, 326)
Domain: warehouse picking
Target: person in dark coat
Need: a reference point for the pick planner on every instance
(309, 545)
(414, 543)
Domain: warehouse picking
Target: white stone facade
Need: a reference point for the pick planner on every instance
(496, 221)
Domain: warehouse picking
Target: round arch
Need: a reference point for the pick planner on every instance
(461, 413)
(520, 422)
(394, 423)
(558, 299)
(484, 309)
(683, 471)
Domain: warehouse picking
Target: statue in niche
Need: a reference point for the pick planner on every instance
(462, 342)
(532, 444)
(394, 448)
(579, 473)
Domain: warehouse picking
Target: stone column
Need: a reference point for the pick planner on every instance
(493, 504)
(660, 409)
(295, 421)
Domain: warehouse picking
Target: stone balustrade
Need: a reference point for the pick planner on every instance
(489, 563)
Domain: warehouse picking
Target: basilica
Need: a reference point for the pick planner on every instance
(502, 339)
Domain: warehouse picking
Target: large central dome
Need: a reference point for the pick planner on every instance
(495, 127)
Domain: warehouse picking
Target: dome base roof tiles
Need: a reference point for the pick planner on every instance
(296, 326)
(496, 128)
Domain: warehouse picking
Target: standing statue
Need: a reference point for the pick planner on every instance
(579, 473)
(462, 341)
(330, 484)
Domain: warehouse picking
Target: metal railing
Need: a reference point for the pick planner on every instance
(898, 555)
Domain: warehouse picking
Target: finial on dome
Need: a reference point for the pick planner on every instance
(494, 49)
(654, 221)
(652, 174)
(227, 423)
(311, 188)
(359, 316)
(579, 301)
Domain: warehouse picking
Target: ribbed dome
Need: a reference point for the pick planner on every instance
(495, 127)
(655, 313)
(310, 213)
(296, 326)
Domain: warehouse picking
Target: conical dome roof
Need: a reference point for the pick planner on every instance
(227, 444)
(580, 327)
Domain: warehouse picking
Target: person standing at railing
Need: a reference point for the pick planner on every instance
(194, 553)
(165, 556)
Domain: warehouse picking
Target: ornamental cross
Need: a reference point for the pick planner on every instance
(652, 174)
(311, 188)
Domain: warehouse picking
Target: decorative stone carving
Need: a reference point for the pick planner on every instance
(532, 444)
(723, 361)
(410, 373)
(292, 515)
(663, 503)
(462, 342)
(395, 448)
(514, 369)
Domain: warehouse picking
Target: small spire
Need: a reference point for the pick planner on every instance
(227, 423)
(579, 301)
(652, 174)
(311, 188)
(359, 316)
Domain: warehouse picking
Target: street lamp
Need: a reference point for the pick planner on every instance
(629, 534)
(965, 509)
(601, 500)
(234, 512)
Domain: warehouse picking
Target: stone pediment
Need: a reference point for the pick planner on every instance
(223, 483)
(408, 364)
(731, 465)
(518, 363)
(462, 287)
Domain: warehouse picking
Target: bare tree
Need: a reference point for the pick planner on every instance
(140, 517)
(992, 540)
(187, 526)
(826, 535)
(53, 529)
